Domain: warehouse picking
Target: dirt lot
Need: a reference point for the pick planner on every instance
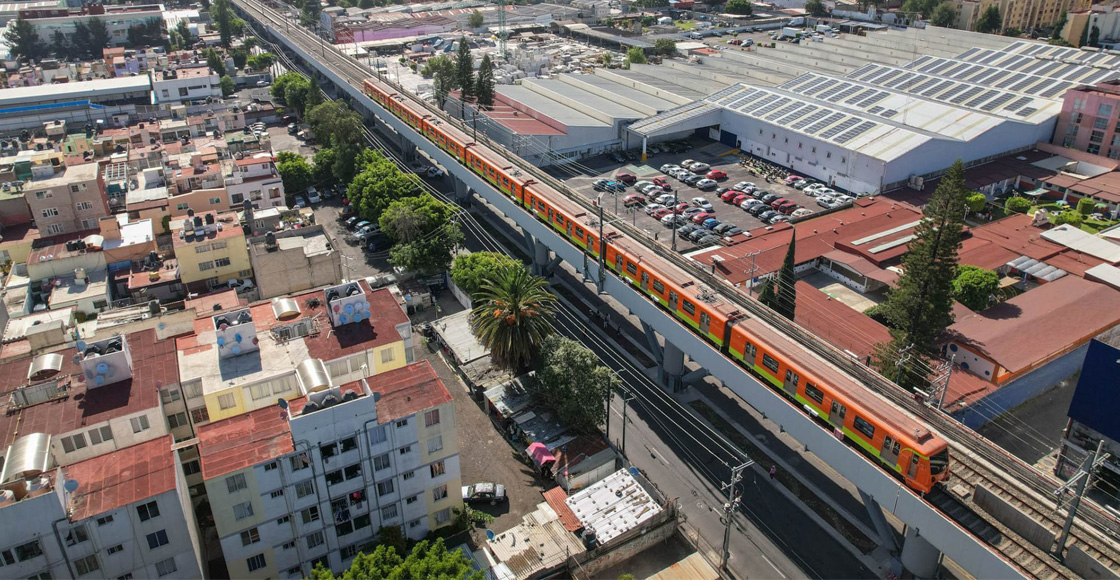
(712, 153)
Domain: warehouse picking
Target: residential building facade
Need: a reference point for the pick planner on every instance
(210, 249)
(1090, 120)
(71, 200)
(296, 260)
(174, 86)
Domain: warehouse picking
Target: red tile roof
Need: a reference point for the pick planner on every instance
(1033, 327)
(573, 452)
(965, 388)
(404, 391)
(223, 299)
(120, 478)
(153, 364)
(982, 253)
(557, 500)
(837, 323)
(1016, 234)
(238, 442)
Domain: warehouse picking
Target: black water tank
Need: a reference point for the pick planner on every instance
(209, 219)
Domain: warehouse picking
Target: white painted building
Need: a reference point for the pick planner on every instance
(179, 85)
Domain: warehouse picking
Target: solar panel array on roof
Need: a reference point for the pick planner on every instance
(861, 71)
(875, 110)
(971, 92)
(1019, 86)
(1021, 102)
(855, 132)
(810, 119)
(828, 95)
(860, 96)
(829, 120)
(992, 104)
(900, 81)
(1027, 112)
(929, 82)
(988, 94)
(968, 53)
(875, 98)
(920, 61)
(792, 113)
(937, 89)
(890, 74)
(784, 111)
(834, 131)
(751, 107)
(844, 93)
(890, 113)
(817, 81)
(769, 108)
(1007, 83)
(800, 113)
(957, 89)
(801, 80)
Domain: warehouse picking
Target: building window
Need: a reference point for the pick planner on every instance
(438, 469)
(411, 500)
(385, 488)
(157, 539)
(316, 539)
(76, 536)
(236, 482)
(443, 516)
(1104, 110)
(305, 488)
(402, 423)
(277, 493)
(242, 510)
(191, 467)
(203, 266)
(166, 567)
(177, 420)
(431, 418)
(1100, 123)
(103, 520)
(139, 423)
(1093, 148)
(225, 401)
(54, 229)
(83, 206)
(221, 262)
(409, 475)
(86, 565)
(310, 514)
(439, 493)
(49, 212)
(147, 511)
(29, 550)
(299, 462)
(1071, 130)
(387, 355)
(200, 415)
(388, 512)
(215, 200)
(348, 444)
(334, 477)
(250, 536)
(1096, 137)
(381, 462)
(406, 450)
(114, 549)
(169, 395)
(377, 435)
(348, 552)
(255, 562)
(288, 545)
(73, 443)
(435, 444)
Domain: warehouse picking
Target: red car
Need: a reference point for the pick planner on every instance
(661, 213)
(626, 177)
(634, 199)
(730, 195)
(717, 174)
(786, 207)
(774, 203)
(739, 199)
(683, 206)
(662, 183)
(700, 217)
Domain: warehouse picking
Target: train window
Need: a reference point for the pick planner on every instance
(814, 393)
(579, 234)
(705, 321)
(792, 378)
(632, 268)
(658, 286)
(688, 307)
(749, 350)
(618, 260)
(864, 427)
(769, 362)
(673, 299)
(896, 448)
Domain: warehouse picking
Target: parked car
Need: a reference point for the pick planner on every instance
(685, 230)
(669, 167)
(699, 167)
(711, 223)
(491, 493)
(791, 179)
(653, 207)
(617, 157)
(301, 202)
(708, 240)
(800, 184)
(748, 203)
(687, 163)
(740, 199)
(825, 201)
(682, 207)
(626, 177)
(634, 199)
(702, 203)
(759, 193)
(600, 184)
(662, 183)
(717, 174)
(293, 128)
(766, 215)
(699, 218)
(652, 189)
(758, 209)
(699, 233)
(722, 228)
(359, 225)
(801, 212)
(642, 184)
(657, 215)
(781, 217)
(689, 178)
(786, 206)
(774, 203)
(665, 198)
(743, 186)
(350, 221)
(313, 195)
(671, 218)
(733, 231)
(690, 211)
(769, 198)
(706, 184)
(729, 195)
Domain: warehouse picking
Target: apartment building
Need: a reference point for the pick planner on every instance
(117, 19)
(70, 200)
(1090, 120)
(296, 260)
(211, 250)
(1020, 15)
(256, 179)
(173, 86)
(245, 359)
(312, 481)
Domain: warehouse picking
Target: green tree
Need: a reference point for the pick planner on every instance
(298, 95)
(425, 232)
(215, 61)
(223, 15)
(635, 55)
(426, 560)
(294, 171)
(228, 86)
(475, 20)
(61, 46)
(1059, 25)
(923, 7)
(464, 69)
(974, 286)
(336, 124)
(816, 8)
(605, 58)
(1094, 36)
(366, 4)
(484, 84)
(513, 316)
(648, 20)
(977, 202)
(649, 4)
(280, 84)
(786, 300)
(261, 61)
(322, 165)
(1017, 204)
(377, 184)
(945, 15)
(768, 297)
(920, 307)
(240, 56)
(23, 41)
(80, 40)
(469, 271)
(572, 382)
(665, 46)
(442, 68)
(99, 36)
(1085, 205)
(742, 7)
(990, 21)
(1013, 32)
(1067, 218)
(185, 35)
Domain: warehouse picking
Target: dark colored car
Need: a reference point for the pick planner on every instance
(769, 198)
(756, 210)
(759, 194)
(721, 229)
(490, 493)
(766, 215)
(685, 230)
(626, 177)
(735, 230)
(695, 236)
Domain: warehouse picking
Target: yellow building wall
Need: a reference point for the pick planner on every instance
(446, 429)
(222, 502)
(235, 250)
(215, 409)
(396, 361)
(199, 200)
(19, 251)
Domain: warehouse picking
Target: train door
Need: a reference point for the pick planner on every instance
(568, 229)
(913, 472)
(790, 383)
(705, 322)
(889, 451)
(673, 299)
(645, 280)
(836, 414)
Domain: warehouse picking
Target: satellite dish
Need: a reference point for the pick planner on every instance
(71, 485)
(489, 534)
(283, 404)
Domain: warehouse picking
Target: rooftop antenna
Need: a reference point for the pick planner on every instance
(503, 33)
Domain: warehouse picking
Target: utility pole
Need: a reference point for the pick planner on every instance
(750, 273)
(626, 398)
(903, 358)
(945, 388)
(602, 246)
(675, 224)
(1081, 478)
(729, 510)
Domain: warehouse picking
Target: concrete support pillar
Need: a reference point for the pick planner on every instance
(460, 189)
(654, 347)
(918, 555)
(540, 257)
(882, 528)
(672, 367)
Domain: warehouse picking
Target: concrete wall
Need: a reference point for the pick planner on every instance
(1017, 521)
(285, 271)
(628, 550)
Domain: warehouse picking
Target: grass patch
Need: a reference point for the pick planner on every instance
(685, 25)
(820, 506)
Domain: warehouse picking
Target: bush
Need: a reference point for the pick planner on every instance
(976, 202)
(1067, 217)
(1085, 206)
(1017, 205)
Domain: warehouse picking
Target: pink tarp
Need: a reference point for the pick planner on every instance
(540, 454)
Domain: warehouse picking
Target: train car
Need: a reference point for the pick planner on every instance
(901, 443)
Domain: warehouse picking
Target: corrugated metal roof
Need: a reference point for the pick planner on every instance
(613, 506)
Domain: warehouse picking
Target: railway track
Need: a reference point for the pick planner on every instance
(976, 461)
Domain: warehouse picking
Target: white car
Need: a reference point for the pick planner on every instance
(814, 189)
(801, 212)
(744, 186)
(642, 185)
(683, 174)
(665, 199)
(687, 163)
(669, 167)
(706, 184)
(699, 167)
(750, 203)
(702, 203)
(313, 195)
(301, 202)
(649, 209)
(652, 189)
(668, 220)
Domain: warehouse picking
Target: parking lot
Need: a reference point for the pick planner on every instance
(717, 155)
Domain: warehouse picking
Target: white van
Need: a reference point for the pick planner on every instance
(664, 20)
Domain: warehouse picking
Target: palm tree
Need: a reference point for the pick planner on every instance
(513, 316)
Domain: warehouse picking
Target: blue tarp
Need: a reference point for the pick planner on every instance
(1097, 398)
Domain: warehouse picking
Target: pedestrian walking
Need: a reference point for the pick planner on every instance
(773, 471)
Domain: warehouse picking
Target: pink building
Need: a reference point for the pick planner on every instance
(399, 28)
(1089, 120)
